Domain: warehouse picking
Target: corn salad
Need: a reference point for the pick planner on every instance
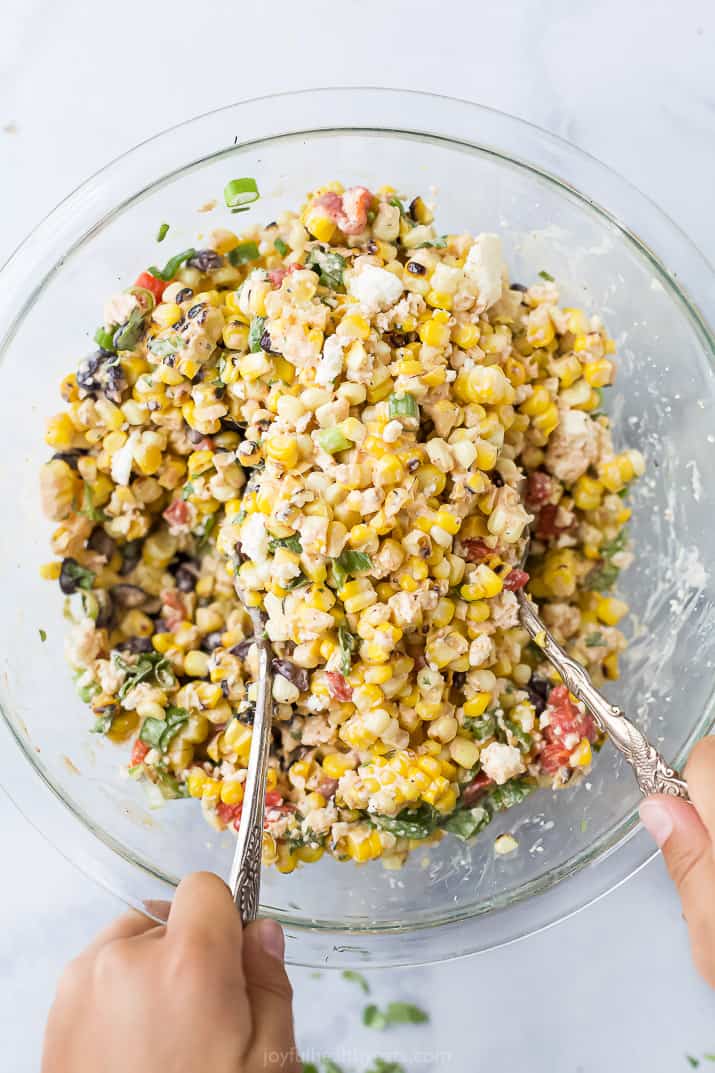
(355, 420)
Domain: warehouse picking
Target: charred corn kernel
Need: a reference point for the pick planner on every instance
(447, 802)
(435, 332)
(559, 574)
(166, 314)
(162, 642)
(515, 372)
(587, 493)
(540, 328)
(60, 431)
(610, 610)
(196, 663)
(231, 792)
(610, 666)
(581, 756)
(319, 225)
(466, 336)
(477, 705)
(478, 611)
(464, 752)
(51, 571)
(438, 299)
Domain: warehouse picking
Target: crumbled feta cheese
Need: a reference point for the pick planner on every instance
(573, 446)
(122, 460)
(118, 309)
(501, 762)
(392, 431)
(485, 267)
(481, 650)
(446, 279)
(254, 538)
(375, 288)
(331, 363)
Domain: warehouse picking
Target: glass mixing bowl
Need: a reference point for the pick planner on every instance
(557, 209)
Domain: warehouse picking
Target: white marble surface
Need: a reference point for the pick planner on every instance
(633, 84)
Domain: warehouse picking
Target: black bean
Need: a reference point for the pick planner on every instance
(247, 715)
(229, 425)
(225, 687)
(101, 373)
(131, 554)
(538, 690)
(416, 268)
(102, 543)
(205, 260)
(105, 608)
(68, 576)
(413, 465)
(70, 457)
(211, 641)
(136, 645)
(496, 478)
(458, 679)
(241, 649)
(372, 246)
(183, 295)
(186, 577)
(267, 345)
(297, 675)
(518, 287)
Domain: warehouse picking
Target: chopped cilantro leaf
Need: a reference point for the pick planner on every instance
(543, 274)
(292, 543)
(357, 978)
(243, 253)
(348, 644)
(328, 265)
(281, 247)
(350, 562)
(594, 640)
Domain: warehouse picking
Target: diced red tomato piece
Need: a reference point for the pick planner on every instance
(327, 787)
(553, 757)
(474, 790)
(348, 211)
(273, 798)
(151, 283)
(277, 275)
(476, 551)
(539, 489)
(139, 752)
(565, 718)
(174, 609)
(229, 814)
(546, 525)
(515, 579)
(338, 686)
(177, 513)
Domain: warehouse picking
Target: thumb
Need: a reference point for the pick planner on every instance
(687, 849)
(271, 996)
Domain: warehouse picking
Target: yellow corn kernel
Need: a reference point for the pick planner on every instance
(162, 642)
(232, 792)
(196, 663)
(587, 493)
(559, 574)
(540, 329)
(364, 849)
(196, 782)
(537, 403)
(60, 431)
(610, 666)
(581, 756)
(51, 571)
(354, 326)
(464, 752)
(336, 764)
(598, 373)
(485, 585)
(478, 611)
(477, 705)
(283, 449)
(447, 802)
(319, 224)
(166, 314)
(211, 789)
(438, 299)
(483, 384)
(610, 610)
(466, 336)
(434, 333)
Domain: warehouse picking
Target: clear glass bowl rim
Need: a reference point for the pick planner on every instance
(689, 276)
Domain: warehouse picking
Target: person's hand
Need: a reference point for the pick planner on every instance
(686, 835)
(198, 993)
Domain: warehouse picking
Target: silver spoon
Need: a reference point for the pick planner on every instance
(245, 876)
(653, 774)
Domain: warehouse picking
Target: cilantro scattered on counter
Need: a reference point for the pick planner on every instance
(694, 1062)
(357, 978)
(396, 1013)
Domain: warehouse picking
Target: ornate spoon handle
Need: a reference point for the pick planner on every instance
(245, 878)
(653, 774)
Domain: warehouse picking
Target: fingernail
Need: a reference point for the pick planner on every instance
(657, 821)
(272, 938)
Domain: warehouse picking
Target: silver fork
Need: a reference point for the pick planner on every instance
(653, 774)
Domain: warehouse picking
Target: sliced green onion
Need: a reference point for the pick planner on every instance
(255, 333)
(239, 192)
(162, 232)
(546, 275)
(43, 635)
(172, 266)
(243, 253)
(333, 440)
(104, 337)
(402, 406)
